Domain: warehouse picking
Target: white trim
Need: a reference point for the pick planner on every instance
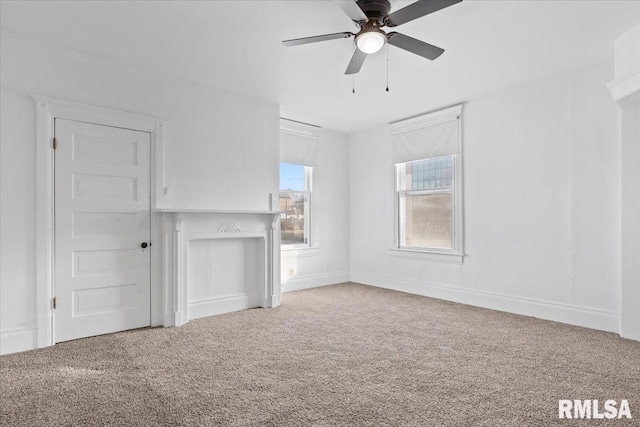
(63, 109)
(15, 340)
(222, 304)
(213, 211)
(178, 233)
(629, 214)
(273, 262)
(423, 255)
(119, 118)
(429, 119)
(456, 255)
(625, 86)
(625, 91)
(309, 222)
(587, 317)
(178, 286)
(47, 110)
(425, 120)
(315, 281)
(44, 225)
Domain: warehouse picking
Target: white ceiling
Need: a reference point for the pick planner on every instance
(236, 46)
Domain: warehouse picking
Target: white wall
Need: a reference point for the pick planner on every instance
(222, 149)
(626, 90)
(206, 128)
(541, 194)
(627, 46)
(328, 262)
(630, 218)
(542, 186)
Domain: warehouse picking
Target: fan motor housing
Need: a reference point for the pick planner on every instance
(375, 9)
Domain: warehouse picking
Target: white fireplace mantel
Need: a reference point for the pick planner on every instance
(625, 90)
(217, 211)
(190, 239)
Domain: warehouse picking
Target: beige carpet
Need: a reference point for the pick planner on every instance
(339, 355)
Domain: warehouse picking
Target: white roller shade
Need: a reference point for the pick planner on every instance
(298, 143)
(432, 135)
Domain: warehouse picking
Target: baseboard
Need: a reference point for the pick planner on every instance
(15, 340)
(221, 305)
(565, 313)
(314, 281)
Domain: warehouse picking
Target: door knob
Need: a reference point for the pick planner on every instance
(144, 245)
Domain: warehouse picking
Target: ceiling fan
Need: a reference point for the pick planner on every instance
(371, 16)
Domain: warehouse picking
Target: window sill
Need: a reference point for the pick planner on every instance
(298, 252)
(447, 258)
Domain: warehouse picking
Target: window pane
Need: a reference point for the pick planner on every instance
(427, 220)
(430, 173)
(292, 177)
(292, 217)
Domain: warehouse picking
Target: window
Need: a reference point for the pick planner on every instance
(425, 196)
(427, 154)
(295, 202)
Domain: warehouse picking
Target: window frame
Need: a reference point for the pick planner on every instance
(308, 213)
(401, 210)
(455, 255)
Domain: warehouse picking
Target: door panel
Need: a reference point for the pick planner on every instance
(102, 215)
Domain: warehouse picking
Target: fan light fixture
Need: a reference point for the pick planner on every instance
(371, 41)
(370, 16)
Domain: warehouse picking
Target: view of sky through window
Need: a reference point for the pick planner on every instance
(291, 177)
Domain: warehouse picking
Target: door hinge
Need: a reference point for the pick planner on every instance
(55, 301)
(55, 143)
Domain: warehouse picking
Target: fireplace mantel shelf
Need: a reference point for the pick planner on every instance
(215, 211)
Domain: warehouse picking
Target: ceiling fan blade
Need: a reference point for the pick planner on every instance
(417, 10)
(416, 46)
(356, 62)
(351, 9)
(314, 39)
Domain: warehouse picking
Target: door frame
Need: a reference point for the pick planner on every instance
(47, 110)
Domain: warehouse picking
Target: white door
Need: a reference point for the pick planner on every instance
(102, 221)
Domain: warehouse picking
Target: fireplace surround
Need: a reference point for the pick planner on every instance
(216, 262)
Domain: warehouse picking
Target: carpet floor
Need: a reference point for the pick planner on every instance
(338, 355)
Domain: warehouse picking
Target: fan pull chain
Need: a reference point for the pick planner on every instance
(387, 67)
(353, 76)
